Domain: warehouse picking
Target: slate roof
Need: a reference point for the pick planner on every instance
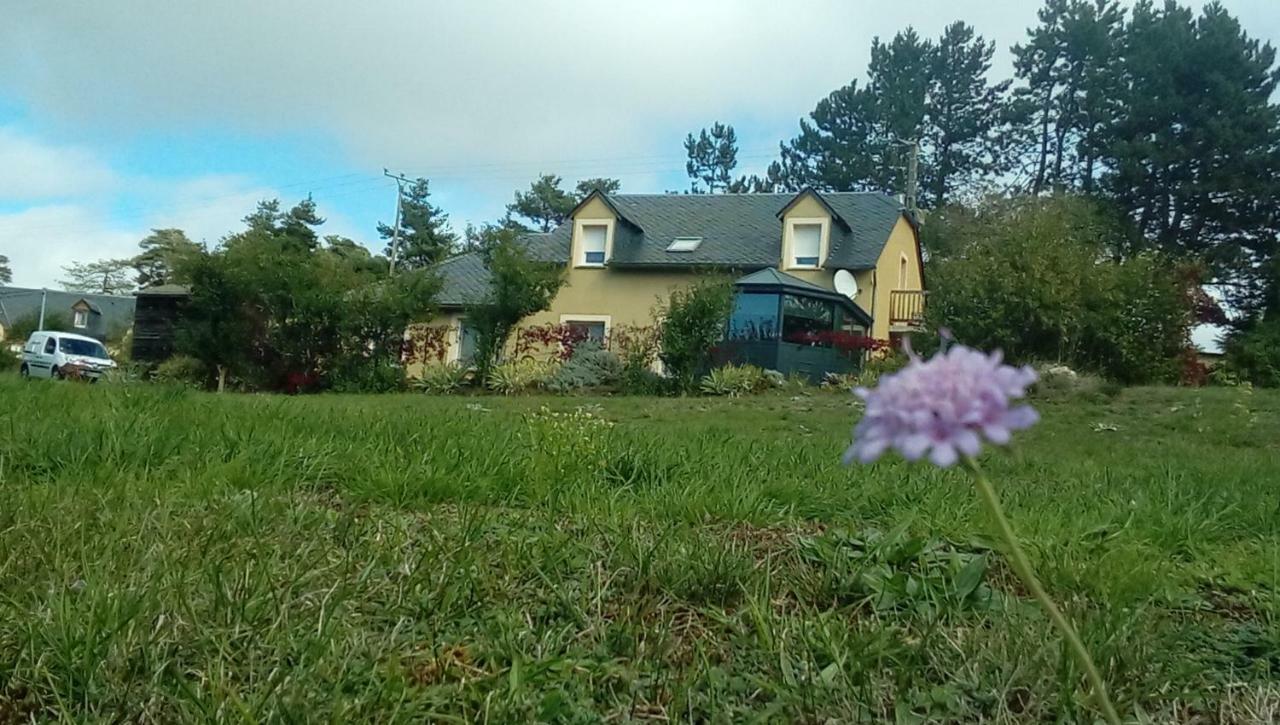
(464, 280)
(738, 231)
(17, 303)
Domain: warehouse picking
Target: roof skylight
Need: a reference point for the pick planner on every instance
(684, 244)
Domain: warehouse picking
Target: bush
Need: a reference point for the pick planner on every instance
(9, 360)
(22, 327)
(694, 322)
(182, 370)
(518, 376)
(735, 380)
(442, 378)
(590, 367)
(1042, 279)
(1253, 355)
(373, 375)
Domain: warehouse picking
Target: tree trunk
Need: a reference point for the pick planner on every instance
(222, 378)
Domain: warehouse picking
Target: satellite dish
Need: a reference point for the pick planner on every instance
(846, 284)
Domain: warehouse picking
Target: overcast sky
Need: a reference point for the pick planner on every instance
(116, 117)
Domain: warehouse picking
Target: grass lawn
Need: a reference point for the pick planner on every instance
(167, 555)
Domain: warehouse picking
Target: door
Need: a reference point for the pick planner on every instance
(42, 352)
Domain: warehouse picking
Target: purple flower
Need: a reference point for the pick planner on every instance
(943, 407)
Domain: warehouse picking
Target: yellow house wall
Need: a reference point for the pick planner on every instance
(902, 243)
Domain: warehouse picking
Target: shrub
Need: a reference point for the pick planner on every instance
(376, 375)
(518, 376)
(549, 340)
(182, 370)
(9, 360)
(735, 380)
(1044, 279)
(693, 324)
(442, 378)
(1253, 355)
(590, 367)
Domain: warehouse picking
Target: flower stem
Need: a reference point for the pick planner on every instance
(1022, 566)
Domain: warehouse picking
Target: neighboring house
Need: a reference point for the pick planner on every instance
(624, 253)
(98, 316)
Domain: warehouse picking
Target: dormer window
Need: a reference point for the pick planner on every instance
(806, 245)
(594, 239)
(81, 319)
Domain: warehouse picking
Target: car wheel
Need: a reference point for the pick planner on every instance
(24, 371)
(57, 374)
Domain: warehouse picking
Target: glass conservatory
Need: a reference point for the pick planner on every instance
(784, 323)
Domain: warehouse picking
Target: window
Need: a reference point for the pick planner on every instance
(806, 245)
(591, 327)
(755, 317)
(51, 346)
(85, 348)
(804, 319)
(81, 319)
(467, 340)
(593, 243)
(684, 244)
(902, 272)
(590, 330)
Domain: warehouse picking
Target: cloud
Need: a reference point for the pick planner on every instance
(31, 169)
(41, 239)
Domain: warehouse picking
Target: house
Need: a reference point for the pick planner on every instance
(99, 316)
(624, 253)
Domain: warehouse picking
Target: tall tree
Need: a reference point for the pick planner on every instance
(425, 236)
(1194, 150)
(6, 272)
(936, 94)
(103, 277)
(1070, 74)
(545, 204)
(602, 184)
(963, 115)
(713, 154)
(298, 224)
(163, 251)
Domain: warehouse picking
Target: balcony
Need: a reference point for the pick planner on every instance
(906, 308)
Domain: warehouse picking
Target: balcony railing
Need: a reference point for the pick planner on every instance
(906, 307)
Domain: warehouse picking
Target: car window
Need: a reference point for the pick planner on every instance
(87, 348)
(51, 346)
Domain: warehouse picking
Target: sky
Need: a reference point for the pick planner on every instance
(119, 117)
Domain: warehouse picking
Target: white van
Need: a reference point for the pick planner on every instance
(48, 355)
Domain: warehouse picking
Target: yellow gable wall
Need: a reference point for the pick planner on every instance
(902, 243)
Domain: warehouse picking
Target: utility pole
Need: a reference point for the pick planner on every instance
(395, 234)
(44, 296)
(913, 174)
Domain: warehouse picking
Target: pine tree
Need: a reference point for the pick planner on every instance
(6, 272)
(545, 203)
(712, 158)
(1070, 72)
(602, 184)
(103, 277)
(1194, 150)
(163, 252)
(425, 237)
(962, 132)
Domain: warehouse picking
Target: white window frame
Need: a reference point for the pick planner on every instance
(606, 319)
(579, 235)
(80, 319)
(824, 235)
